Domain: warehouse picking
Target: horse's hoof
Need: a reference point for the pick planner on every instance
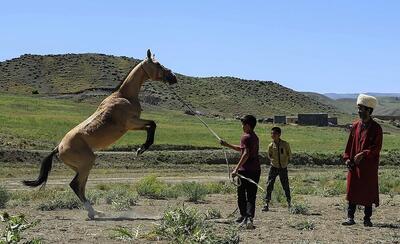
(140, 151)
(91, 216)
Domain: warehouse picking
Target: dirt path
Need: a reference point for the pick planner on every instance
(15, 183)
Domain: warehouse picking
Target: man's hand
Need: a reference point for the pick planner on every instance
(224, 143)
(349, 164)
(234, 172)
(358, 158)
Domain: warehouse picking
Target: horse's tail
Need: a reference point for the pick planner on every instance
(44, 170)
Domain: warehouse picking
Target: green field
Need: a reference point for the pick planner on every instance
(40, 123)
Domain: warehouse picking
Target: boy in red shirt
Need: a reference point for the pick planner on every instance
(249, 167)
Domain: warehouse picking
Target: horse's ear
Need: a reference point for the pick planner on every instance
(149, 54)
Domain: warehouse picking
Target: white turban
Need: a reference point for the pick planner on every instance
(367, 101)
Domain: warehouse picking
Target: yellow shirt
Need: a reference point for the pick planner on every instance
(279, 154)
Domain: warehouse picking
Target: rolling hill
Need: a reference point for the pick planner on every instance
(388, 104)
(92, 76)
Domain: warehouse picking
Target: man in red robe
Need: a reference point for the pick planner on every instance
(362, 159)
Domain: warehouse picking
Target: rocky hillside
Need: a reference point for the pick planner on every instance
(92, 76)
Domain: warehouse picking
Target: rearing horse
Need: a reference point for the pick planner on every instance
(117, 114)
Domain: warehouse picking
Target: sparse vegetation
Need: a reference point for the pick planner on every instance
(14, 228)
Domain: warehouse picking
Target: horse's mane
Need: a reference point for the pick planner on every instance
(122, 81)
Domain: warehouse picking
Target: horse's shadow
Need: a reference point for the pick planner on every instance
(126, 218)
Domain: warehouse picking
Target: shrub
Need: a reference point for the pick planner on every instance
(213, 213)
(333, 188)
(193, 191)
(121, 198)
(300, 208)
(4, 197)
(151, 187)
(221, 187)
(187, 225)
(61, 200)
(304, 225)
(123, 233)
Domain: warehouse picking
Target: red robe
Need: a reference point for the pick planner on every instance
(362, 180)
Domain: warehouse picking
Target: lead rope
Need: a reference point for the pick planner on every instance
(232, 179)
(212, 132)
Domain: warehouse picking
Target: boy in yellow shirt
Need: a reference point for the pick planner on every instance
(279, 154)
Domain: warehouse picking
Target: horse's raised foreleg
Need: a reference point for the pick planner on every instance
(141, 124)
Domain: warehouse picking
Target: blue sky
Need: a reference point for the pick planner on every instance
(322, 46)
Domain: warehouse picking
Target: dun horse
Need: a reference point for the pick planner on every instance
(117, 114)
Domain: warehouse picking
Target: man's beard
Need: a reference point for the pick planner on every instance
(363, 115)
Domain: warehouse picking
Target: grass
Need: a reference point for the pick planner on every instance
(40, 123)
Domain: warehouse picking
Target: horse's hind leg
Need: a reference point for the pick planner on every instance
(82, 165)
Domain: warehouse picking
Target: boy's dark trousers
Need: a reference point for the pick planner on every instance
(351, 210)
(247, 193)
(283, 177)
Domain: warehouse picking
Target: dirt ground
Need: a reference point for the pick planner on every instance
(276, 226)
(71, 226)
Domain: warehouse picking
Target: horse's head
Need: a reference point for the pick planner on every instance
(156, 71)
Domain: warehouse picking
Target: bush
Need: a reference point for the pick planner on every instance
(193, 191)
(122, 233)
(213, 213)
(151, 187)
(121, 198)
(304, 225)
(61, 200)
(221, 187)
(187, 225)
(300, 208)
(389, 183)
(333, 188)
(4, 197)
